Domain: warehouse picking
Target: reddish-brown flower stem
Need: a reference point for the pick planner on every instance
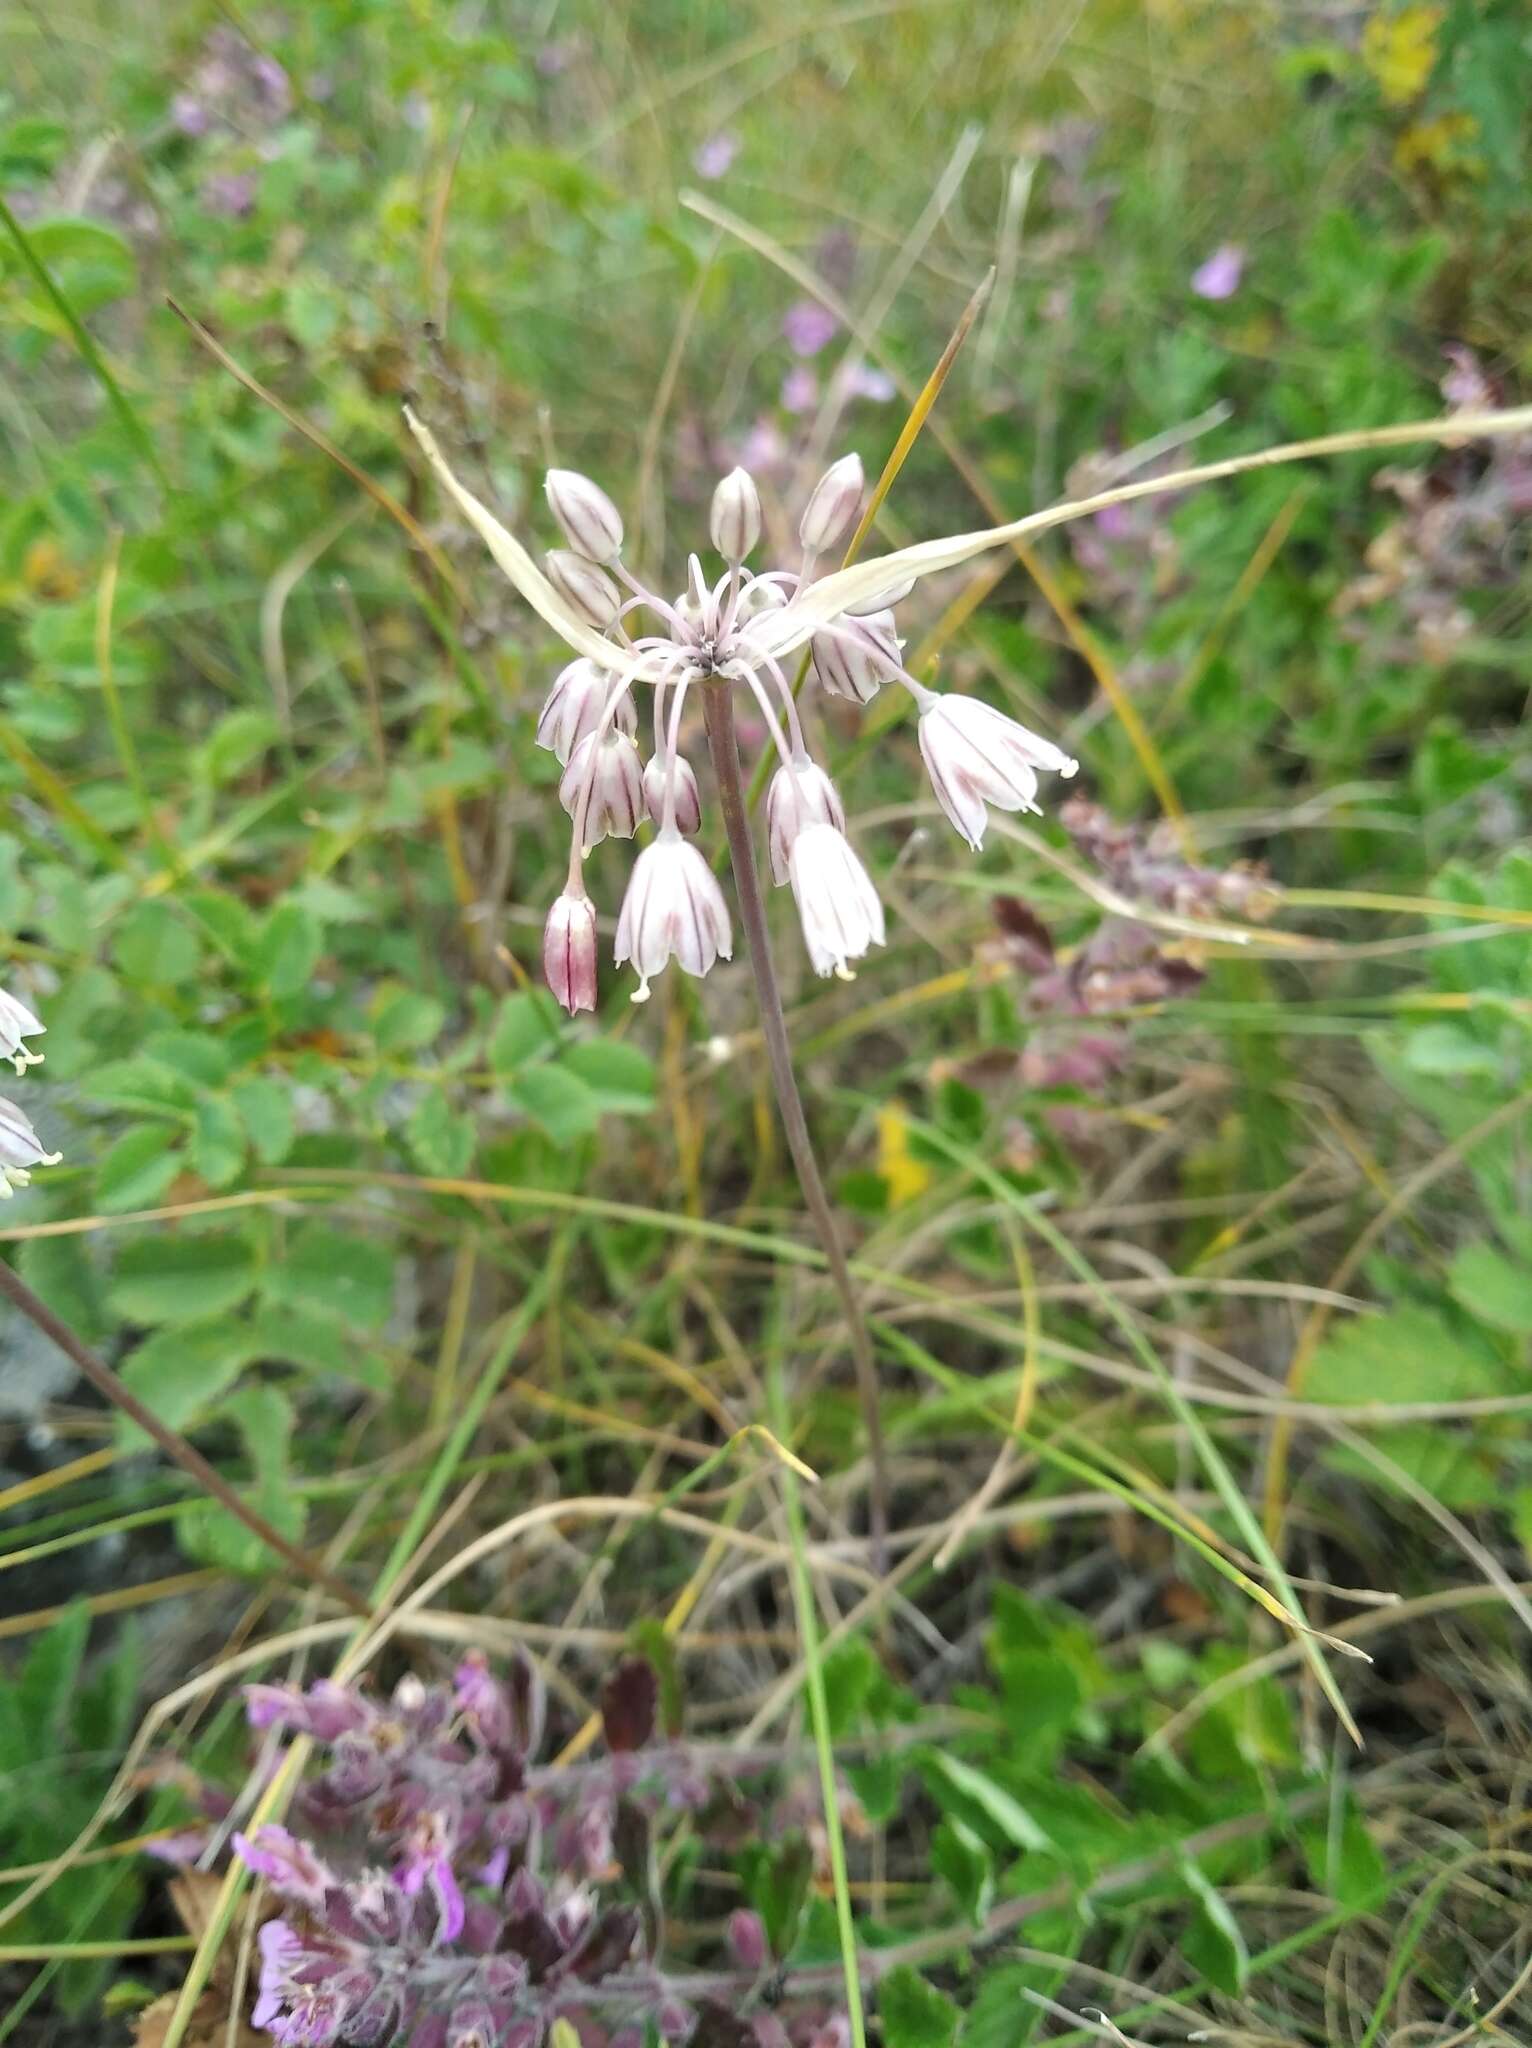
(718, 706)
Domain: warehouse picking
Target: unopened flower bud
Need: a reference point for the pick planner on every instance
(736, 517)
(835, 499)
(674, 908)
(591, 522)
(800, 794)
(574, 707)
(747, 1938)
(611, 768)
(569, 951)
(660, 771)
(588, 589)
(837, 904)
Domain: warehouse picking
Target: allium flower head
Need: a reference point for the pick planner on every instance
(738, 632)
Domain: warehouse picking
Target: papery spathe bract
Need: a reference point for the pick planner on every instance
(837, 903)
(977, 757)
(569, 951)
(591, 522)
(18, 1023)
(674, 909)
(798, 795)
(575, 705)
(609, 766)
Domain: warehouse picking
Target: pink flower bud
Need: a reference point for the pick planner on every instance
(834, 501)
(673, 908)
(799, 794)
(569, 951)
(976, 756)
(659, 772)
(591, 522)
(837, 904)
(585, 588)
(736, 516)
(615, 775)
(747, 1938)
(574, 708)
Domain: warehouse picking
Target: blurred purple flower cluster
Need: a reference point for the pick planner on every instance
(440, 1888)
(232, 85)
(1123, 964)
(1460, 529)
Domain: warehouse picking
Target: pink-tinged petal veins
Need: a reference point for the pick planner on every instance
(569, 951)
(591, 522)
(837, 903)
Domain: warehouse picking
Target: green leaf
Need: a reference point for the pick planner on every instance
(965, 1865)
(136, 1171)
(91, 264)
(295, 1336)
(61, 1271)
(441, 1138)
(218, 1141)
(621, 1077)
(1346, 1863)
(558, 1102)
(946, 1776)
(265, 1420)
(288, 950)
(1213, 1943)
(49, 1679)
(850, 1673)
(342, 1278)
(528, 1027)
(914, 2013)
(180, 1373)
(265, 1108)
(404, 1020)
(1493, 1288)
(156, 945)
(181, 1279)
(1408, 1355)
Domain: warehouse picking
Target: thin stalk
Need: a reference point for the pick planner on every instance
(175, 1446)
(718, 705)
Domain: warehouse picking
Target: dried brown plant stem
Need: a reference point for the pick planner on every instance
(718, 710)
(175, 1446)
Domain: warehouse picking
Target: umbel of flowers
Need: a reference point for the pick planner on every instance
(735, 630)
(20, 1148)
(440, 1888)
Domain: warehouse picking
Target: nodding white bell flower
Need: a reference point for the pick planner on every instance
(20, 1150)
(569, 951)
(674, 909)
(18, 1023)
(837, 904)
(854, 657)
(575, 703)
(592, 524)
(799, 794)
(661, 773)
(976, 756)
(603, 788)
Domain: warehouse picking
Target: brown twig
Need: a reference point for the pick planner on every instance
(175, 1446)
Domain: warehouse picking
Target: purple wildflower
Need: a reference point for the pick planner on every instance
(800, 389)
(714, 156)
(808, 327)
(231, 193)
(1219, 277)
(289, 1866)
(190, 114)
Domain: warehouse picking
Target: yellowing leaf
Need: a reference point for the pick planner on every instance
(1400, 52)
(905, 1175)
